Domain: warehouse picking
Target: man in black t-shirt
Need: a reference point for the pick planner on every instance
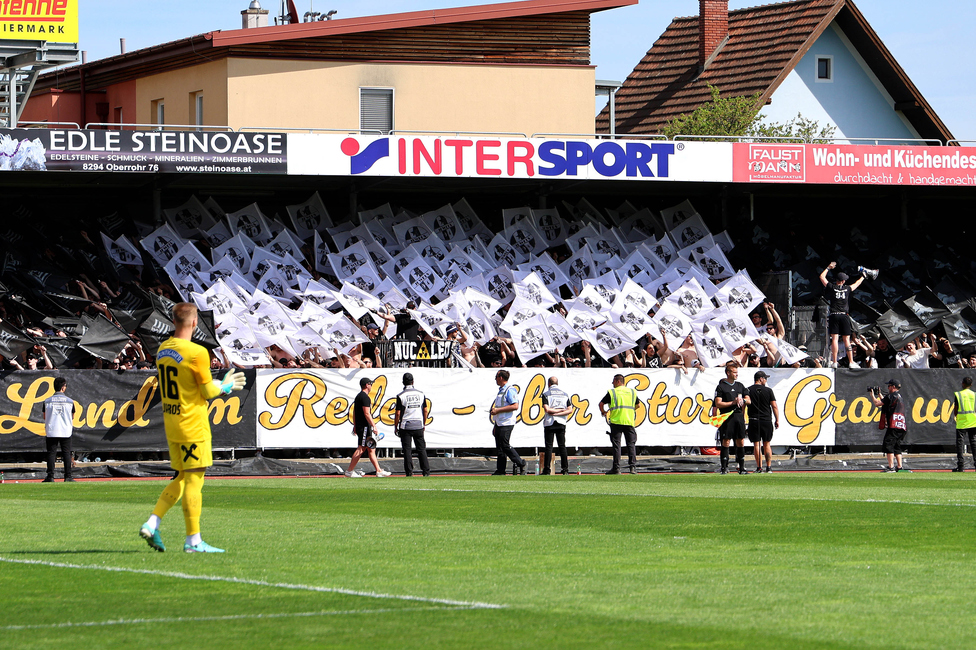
(838, 297)
(363, 427)
(884, 354)
(893, 415)
(407, 327)
(731, 397)
(762, 408)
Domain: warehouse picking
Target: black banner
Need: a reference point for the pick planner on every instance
(114, 411)
(404, 351)
(185, 152)
(928, 396)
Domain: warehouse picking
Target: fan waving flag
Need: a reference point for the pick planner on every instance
(739, 291)
(607, 340)
(532, 289)
(561, 331)
(531, 338)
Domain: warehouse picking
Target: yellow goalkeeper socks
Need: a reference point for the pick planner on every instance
(192, 501)
(169, 498)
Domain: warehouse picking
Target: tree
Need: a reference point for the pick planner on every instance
(739, 116)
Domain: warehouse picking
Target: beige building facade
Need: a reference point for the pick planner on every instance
(514, 68)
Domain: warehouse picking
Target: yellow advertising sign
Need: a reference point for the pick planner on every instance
(39, 20)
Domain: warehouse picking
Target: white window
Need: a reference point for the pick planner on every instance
(825, 69)
(376, 109)
(158, 112)
(197, 98)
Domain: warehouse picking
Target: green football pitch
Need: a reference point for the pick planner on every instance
(803, 560)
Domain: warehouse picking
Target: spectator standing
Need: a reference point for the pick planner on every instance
(620, 403)
(763, 420)
(503, 414)
(555, 401)
(965, 411)
(58, 410)
(884, 354)
(409, 422)
(916, 354)
(838, 297)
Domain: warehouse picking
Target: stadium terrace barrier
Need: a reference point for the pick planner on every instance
(310, 408)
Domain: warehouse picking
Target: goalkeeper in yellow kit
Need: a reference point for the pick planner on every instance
(185, 385)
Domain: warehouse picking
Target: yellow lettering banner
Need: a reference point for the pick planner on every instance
(39, 20)
(311, 408)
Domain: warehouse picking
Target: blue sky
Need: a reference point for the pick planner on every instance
(934, 41)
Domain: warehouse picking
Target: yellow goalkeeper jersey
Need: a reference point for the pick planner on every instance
(185, 385)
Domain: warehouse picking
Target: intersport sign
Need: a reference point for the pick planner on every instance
(486, 157)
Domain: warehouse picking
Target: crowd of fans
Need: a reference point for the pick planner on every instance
(55, 290)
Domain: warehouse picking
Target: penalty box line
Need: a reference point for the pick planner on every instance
(259, 583)
(228, 617)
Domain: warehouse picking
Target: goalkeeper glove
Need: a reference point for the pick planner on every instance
(233, 380)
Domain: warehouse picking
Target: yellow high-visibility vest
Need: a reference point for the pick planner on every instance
(966, 413)
(623, 405)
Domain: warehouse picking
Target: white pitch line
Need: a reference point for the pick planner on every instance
(230, 617)
(257, 583)
(764, 497)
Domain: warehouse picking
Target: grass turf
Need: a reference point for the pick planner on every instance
(797, 560)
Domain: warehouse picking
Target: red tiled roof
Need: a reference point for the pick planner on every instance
(412, 19)
(763, 41)
(765, 44)
(531, 32)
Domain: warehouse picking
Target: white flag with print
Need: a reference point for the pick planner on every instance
(607, 340)
(531, 338)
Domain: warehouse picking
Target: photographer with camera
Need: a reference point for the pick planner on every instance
(838, 297)
(895, 422)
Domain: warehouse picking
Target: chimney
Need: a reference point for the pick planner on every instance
(254, 16)
(713, 27)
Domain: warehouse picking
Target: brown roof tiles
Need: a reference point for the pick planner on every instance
(765, 43)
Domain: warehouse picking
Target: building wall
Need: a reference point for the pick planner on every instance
(854, 102)
(427, 97)
(176, 90)
(56, 106)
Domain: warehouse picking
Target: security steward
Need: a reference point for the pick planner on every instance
(965, 412)
(408, 423)
(622, 403)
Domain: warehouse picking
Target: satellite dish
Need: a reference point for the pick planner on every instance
(293, 13)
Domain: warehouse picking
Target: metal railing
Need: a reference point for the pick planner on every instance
(737, 138)
(402, 132)
(309, 130)
(924, 141)
(603, 136)
(961, 143)
(159, 127)
(46, 125)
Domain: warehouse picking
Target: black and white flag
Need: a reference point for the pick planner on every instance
(531, 338)
(162, 244)
(309, 217)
